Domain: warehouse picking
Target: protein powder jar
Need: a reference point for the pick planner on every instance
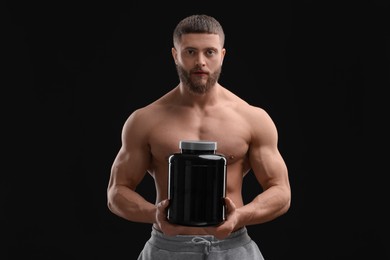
(197, 185)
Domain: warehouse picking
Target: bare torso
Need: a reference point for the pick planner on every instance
(227, 122)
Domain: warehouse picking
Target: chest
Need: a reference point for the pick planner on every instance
(232, 137)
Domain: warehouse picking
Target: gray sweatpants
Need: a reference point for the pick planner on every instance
(238, 246)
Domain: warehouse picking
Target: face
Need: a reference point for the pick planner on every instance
(198, 60)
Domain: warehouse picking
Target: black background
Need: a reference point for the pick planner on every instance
(74, 71)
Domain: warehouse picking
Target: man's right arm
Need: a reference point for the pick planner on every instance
(127, 171)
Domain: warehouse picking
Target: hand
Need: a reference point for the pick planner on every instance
(227, 227)
(166, 227)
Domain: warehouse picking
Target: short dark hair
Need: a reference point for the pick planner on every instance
(198, 23)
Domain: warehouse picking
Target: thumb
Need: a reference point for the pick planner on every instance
(163, 204)
(230, 206)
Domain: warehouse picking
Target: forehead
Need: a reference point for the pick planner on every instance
(200, 41)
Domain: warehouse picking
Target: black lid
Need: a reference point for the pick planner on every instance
(198, 145)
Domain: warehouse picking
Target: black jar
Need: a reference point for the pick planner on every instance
(197, 185)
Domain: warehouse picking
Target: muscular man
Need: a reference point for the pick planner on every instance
(199, 108)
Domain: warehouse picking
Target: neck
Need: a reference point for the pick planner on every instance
(199, 99)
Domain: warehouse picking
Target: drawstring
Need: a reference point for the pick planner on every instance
(201, 240)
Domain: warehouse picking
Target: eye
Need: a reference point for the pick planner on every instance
(210, 52)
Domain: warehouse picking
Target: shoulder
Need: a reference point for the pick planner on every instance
(255, 118)
(143, 119)
(243, 108)
(144, 116)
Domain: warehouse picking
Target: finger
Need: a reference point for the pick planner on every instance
(230, 204)
(163, 204)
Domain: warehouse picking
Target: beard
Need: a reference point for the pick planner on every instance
(197, 86)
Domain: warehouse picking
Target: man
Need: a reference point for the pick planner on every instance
(199, 108)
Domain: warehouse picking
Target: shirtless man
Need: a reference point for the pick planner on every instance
(199, 108)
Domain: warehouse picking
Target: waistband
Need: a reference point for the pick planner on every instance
(182, 243)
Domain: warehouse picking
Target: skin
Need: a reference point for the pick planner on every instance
(199, 108)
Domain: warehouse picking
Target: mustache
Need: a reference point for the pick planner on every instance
(198, 69)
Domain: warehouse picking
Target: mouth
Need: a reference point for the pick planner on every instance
(200, 73)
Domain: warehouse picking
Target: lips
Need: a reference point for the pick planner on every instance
(200, 73)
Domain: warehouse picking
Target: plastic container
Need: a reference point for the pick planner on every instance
(197, 185)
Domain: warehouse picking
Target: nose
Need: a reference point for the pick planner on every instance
(200, 61)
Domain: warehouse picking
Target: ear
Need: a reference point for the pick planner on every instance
(174, 54)
(223, 52)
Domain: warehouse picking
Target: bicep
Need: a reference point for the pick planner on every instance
(128, 168)
(133, 159)
(266, 161)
